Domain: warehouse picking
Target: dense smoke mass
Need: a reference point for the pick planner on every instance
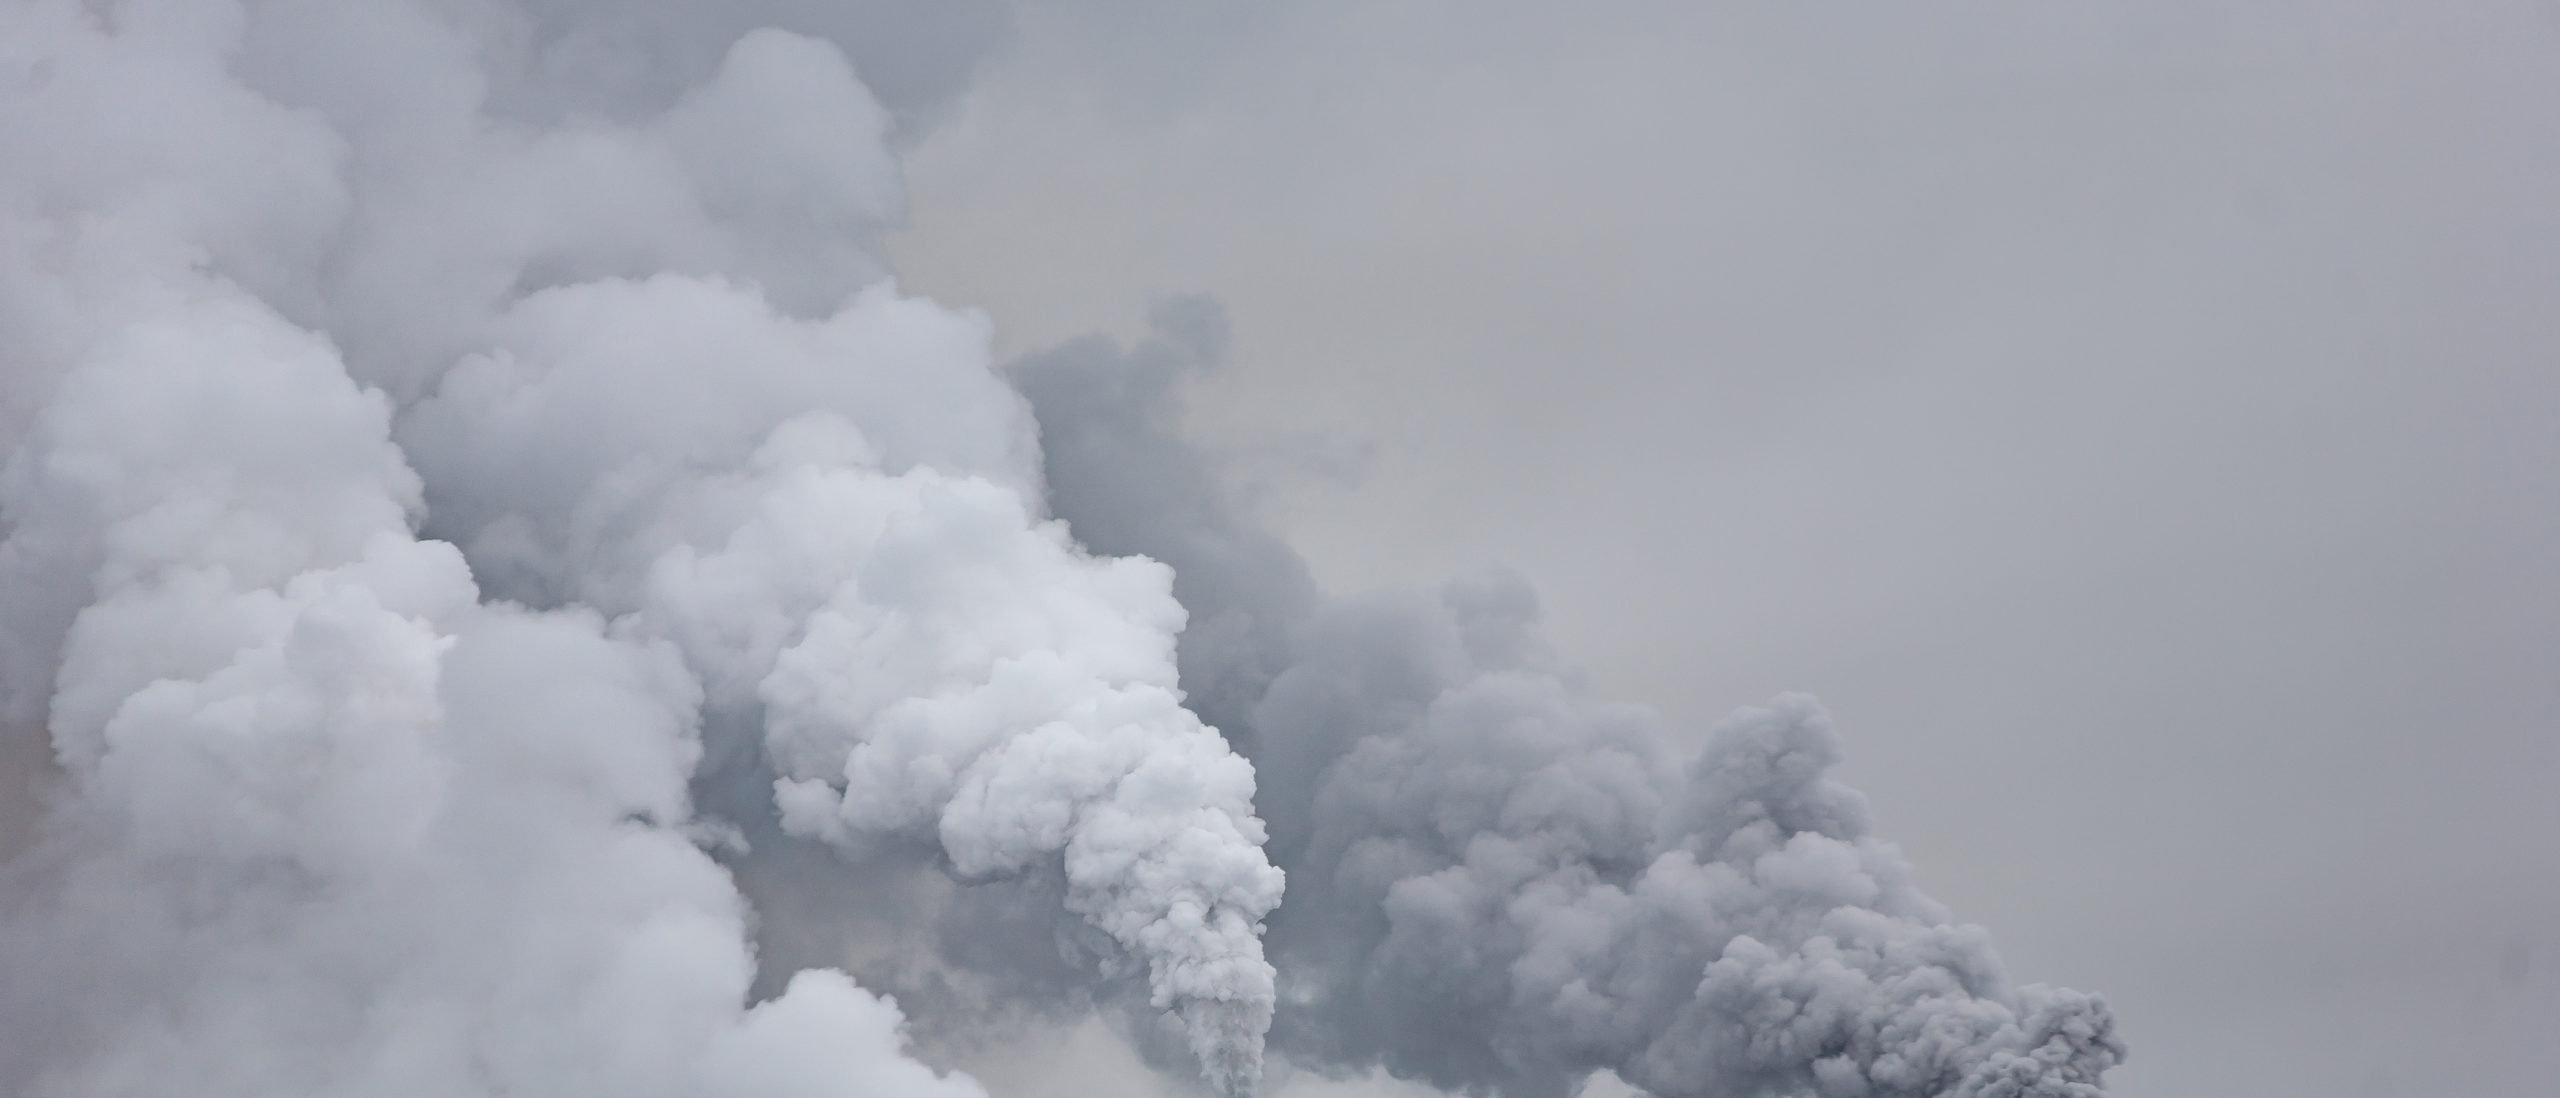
(1498, 883)
(517, 601)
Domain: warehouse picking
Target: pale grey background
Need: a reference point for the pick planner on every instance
(2139, 422)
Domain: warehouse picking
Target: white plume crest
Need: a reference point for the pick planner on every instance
(289, 727)
(331, 824)
(926, 653)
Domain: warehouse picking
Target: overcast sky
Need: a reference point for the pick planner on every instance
(2139, 422)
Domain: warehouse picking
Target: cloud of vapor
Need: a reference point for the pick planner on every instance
(419, 470)
(1499, 883)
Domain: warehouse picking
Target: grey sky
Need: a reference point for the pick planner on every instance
(2136, 421)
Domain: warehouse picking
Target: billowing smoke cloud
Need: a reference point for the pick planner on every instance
(303, 297)
(330, 825)
(925, 653)
(1499, 884)
(477, 510)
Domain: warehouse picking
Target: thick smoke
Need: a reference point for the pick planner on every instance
(477, 510)
(866, 579)
(329, 824)
(1501, 885)
(301, 297)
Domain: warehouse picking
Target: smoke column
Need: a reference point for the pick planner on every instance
(1499, 884)
(478, 513)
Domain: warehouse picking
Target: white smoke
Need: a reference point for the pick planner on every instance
(926, 653)
(328, 824)
(333, 819)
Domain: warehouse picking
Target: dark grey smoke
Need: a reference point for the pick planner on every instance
(1500, 884)
(1128, 483)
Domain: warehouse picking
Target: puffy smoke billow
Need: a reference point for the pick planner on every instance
(329, 824)
(417, 467)
(476, 510)
(1500, 885)
(862, 575)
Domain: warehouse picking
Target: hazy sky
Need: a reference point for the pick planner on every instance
(2139, 422)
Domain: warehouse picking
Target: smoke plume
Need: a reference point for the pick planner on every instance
(479, 512)
(1499, 884)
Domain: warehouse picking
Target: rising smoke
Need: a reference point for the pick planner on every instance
(1499, 884)
(478, 512)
